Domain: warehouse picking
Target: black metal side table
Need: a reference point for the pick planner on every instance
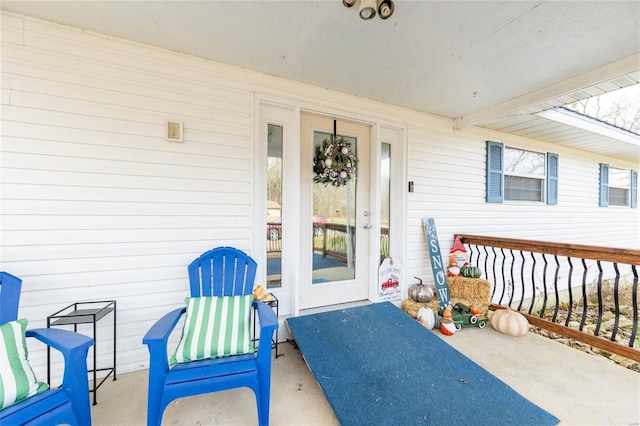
(86, 313)
(274, 342)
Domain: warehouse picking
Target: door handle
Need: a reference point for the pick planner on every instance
(368, 226)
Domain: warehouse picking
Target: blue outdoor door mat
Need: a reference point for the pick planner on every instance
(378, 366)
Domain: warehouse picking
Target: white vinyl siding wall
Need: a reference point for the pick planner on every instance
(97, 205)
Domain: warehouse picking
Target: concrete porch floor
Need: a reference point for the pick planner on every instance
(576, 387)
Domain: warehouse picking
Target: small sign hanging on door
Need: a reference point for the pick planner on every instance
(389, 279)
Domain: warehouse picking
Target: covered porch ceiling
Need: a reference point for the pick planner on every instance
(481, 63)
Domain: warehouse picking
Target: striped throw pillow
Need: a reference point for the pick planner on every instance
(17, 380)
(214, 327)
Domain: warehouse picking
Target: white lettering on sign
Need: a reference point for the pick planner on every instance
(437, 266)
(442, 293)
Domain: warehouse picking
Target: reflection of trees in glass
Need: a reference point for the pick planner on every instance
(274, 179)
(518, 161)
(619, 177)
(274, 163)
(385, 185)
(331, 202)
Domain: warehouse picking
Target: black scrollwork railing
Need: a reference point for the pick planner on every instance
(587, 293)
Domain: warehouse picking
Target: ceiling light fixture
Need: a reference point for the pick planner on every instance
(369, 8)
(385, 8)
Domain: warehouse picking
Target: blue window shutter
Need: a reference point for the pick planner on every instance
(495, 174)
(634, 189)
(604, 185)
(552, 178)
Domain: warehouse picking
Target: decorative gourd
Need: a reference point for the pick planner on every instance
(426, 317)
(509, 322)
(260, 294)
(420, 293)
(469, 271)
(464, 268)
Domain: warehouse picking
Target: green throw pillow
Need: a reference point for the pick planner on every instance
(17, 381)
(214, 327)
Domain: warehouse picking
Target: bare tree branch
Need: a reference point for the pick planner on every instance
(622, 111)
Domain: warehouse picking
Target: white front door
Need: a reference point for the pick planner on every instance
(334, 220)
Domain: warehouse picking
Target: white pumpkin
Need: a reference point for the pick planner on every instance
(426, 317)
(509, 322)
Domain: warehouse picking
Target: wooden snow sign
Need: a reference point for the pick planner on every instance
(389, 279)
(438, 268)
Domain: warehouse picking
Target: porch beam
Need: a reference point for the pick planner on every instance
(610, 71)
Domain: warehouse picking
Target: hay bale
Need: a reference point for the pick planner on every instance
(470, 291)
(412, 307)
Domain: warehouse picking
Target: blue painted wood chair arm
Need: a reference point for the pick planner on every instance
(75, 383)
(161, 329)
(65, 341)
(268, 325)
(74, 348)
(157, 337)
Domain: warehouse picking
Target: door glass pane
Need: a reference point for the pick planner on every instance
(334, 218)
(274, 206)
(385, 198)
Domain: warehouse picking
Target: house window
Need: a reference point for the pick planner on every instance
(618, 187)
(523, 175)
(515, 174)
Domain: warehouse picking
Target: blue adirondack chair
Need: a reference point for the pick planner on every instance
(68, 404)
(223, 271)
